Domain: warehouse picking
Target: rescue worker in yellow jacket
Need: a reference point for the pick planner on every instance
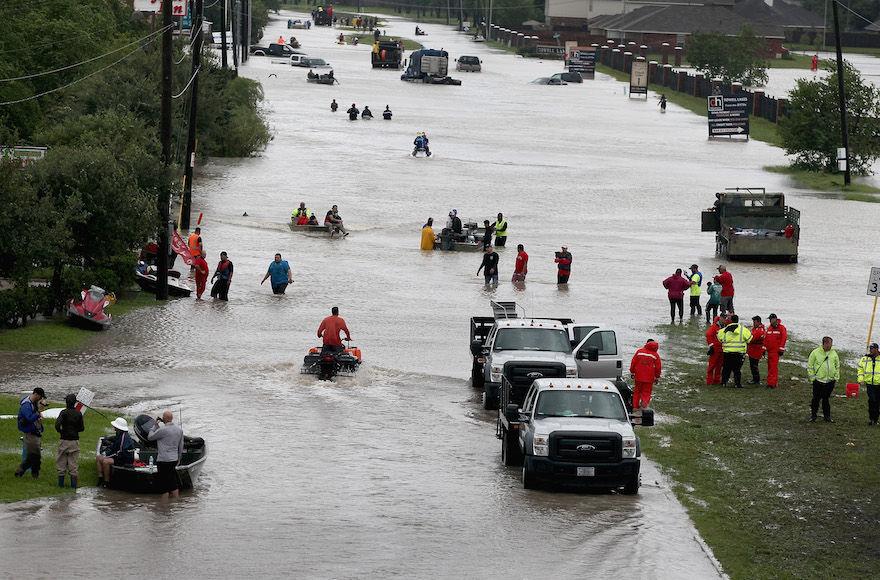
(428, 235)
(734, 340)
(869, 377)
(500, 227)
(823, 370)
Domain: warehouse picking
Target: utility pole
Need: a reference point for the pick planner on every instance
(249, 25)
(244, 40)
(489, 23)
(236, 11)
(223, 25)
(447, 12)
(460, 16)
(165, 134)
(847, 177)
(190, 161)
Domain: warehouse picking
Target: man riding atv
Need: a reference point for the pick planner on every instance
(421, 144)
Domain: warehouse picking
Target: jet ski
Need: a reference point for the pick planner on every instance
(145, 276)
(87, 311)
(328, 364)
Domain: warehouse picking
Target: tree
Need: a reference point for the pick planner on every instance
(811, 132)
(732, 58)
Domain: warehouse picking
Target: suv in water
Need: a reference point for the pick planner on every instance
(575, 431)
(468, 64)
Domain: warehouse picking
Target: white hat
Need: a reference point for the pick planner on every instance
(120, 423)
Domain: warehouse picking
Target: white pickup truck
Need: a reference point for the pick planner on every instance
(573, 431)
(524, 349)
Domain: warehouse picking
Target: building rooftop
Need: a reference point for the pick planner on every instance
(685, 19)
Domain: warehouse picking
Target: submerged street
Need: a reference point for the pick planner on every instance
(396, 471)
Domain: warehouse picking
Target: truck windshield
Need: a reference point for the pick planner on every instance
(596, 404)
(546, 339)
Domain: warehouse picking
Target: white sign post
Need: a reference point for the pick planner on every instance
(84, 399)
(873, 290)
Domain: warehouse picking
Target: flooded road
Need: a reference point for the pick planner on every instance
(396, 472)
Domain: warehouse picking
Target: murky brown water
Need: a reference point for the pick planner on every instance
(396, 472)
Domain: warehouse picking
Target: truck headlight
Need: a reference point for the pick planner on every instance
(495, 374)
(541, 445)
(629, 447)
(571, 372)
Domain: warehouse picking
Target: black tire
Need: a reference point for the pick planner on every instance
(511, 454)
(490, 403)
(259, 53)
(529, 480)
(631, 487)
(478, 380)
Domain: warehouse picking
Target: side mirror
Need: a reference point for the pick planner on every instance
(476, 347)
(645, 418)
(512, 411)
(592, 354)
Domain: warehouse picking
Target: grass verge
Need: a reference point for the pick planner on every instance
(830, 182)
(56, 334)
(830, 48)
(773, 495)
(15, 489)
(759, 129)
(368, 38)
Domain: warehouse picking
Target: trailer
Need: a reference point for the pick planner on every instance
(429, 66)
(753, 225)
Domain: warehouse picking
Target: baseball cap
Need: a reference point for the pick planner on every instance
(772, 316)
(40, 391)
(874, 345)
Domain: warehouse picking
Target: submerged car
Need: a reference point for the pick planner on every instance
(468, 64)
(554, 80)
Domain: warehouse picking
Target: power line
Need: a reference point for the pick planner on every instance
(191, 79)
(845, 7)
(70, 84)
(70, 66)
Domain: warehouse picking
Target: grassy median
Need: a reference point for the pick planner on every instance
(774, 495)
(19, 488)
(56, 334)
(368, 38)
(830, 182)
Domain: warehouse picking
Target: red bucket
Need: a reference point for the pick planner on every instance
(852, 390)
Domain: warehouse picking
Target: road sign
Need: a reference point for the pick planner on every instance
(874, 282)
(638, 78)
(178, 7)
(582, 59)
(728, 114)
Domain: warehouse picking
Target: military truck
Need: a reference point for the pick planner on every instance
(387, 54)
(429, 66)
(754, 225)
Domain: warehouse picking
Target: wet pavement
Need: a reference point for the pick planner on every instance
(396, 472)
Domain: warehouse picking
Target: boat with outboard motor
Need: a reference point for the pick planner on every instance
(143, 476)
(328, 364)
(145, 276)
(88, 311)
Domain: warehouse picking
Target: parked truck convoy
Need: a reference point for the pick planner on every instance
(429, 66)
(751, 224)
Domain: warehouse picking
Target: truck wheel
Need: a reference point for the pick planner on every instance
(477, 378)
(529, 480)
(511, 454)
(490, 403)
(631, 487)
(259, 53)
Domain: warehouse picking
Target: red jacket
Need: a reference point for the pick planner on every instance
(522, 263)
(775, 338)
(756, 344)
(726, 281)
(676, 285)
(712, 336)
(646, 365)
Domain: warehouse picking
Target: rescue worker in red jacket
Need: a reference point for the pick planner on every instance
(774, 341)
(645, 368)
(716, 355)
(755, 350)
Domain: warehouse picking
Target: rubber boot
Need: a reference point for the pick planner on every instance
(60, 481)
(73, 482)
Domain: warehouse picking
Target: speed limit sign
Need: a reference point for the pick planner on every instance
(874, 282)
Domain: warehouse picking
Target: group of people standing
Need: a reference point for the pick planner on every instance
(720, 292)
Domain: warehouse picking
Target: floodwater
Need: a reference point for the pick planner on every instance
(396, 472)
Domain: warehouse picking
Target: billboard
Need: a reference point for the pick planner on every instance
(638, 78)
(728, 114)
(178, 7)
(582, 59)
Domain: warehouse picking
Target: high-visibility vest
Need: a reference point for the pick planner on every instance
(500, 229)
(735, 339)
(869, 371)
(193, 244)
(696, 281)
(300, 211)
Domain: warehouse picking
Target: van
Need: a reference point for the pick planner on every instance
(468, 64)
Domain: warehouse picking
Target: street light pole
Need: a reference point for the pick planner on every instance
(841, 95)
(190, 161)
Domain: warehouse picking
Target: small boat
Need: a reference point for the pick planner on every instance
(313, 229)
(322, 79)
(143, 475)
(88, 311)
(147, 281)
(329, 364)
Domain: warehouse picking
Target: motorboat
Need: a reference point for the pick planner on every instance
(143, 475)
(146, 279)
(88, 311)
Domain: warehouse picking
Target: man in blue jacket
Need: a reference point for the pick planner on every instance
(30, 422)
